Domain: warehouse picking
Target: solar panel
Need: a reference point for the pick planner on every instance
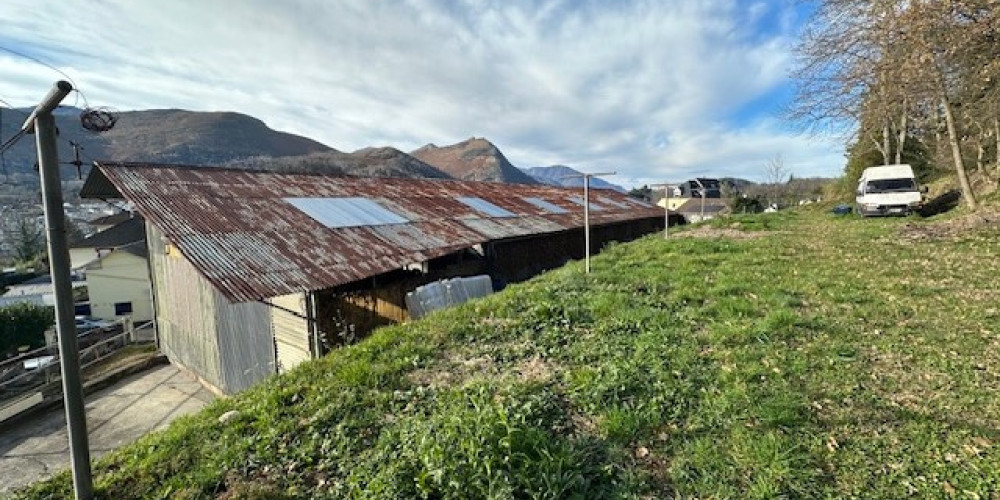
(636, 201)
(346, 212)
(544, 205)
(485, 207)
(610, 202)
(579, 201)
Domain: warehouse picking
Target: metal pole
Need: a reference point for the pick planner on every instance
(666, 212)
(666, 208)
(586, 221)
(43, 124)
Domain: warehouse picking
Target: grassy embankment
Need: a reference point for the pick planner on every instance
(823, 357)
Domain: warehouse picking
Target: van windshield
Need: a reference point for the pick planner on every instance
(891, 185)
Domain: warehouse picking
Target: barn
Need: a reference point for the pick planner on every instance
(254, 272)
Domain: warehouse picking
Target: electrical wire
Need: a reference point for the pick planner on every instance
(53, 68)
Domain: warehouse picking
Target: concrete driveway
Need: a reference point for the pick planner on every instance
(37, 447)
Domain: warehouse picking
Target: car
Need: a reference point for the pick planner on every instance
(85, 324)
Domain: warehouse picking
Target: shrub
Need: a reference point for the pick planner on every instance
(24, 325)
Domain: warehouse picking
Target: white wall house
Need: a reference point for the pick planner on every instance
(98, 245)
(118, 284)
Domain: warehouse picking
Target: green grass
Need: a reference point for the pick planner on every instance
(824, 358)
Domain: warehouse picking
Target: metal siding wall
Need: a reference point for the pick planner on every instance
(246, 346)
(185, 309)
(291, 332)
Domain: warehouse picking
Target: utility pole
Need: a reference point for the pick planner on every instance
(666, 207)
(42, 124)
(586, 215)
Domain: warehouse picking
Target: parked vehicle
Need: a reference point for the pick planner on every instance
(888, 190)
(85, 324)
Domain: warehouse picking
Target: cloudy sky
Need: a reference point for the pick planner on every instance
(656, 90)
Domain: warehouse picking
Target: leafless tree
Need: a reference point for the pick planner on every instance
(896, 68)
(776, 174)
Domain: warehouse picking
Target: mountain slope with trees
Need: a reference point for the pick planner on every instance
(161, 136)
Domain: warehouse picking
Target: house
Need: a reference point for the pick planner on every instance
(255, 272)
(118, 284)
(130, 230)
(698, 209)
(41, 286)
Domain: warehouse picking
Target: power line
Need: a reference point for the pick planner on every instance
(53, 68)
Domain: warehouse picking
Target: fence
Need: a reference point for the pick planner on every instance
(34, 376)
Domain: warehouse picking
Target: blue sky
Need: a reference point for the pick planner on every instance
(656, 90)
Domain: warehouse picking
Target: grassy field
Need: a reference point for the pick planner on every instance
(795, 355)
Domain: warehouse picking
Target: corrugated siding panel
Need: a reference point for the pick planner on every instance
(291, 332)
(246, 347)
(185, 311)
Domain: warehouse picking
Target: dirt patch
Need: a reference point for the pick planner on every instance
(455, 370)
(983, 219)
(714, 232)
(535, 369)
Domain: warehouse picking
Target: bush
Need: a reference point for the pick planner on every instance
(24, 325)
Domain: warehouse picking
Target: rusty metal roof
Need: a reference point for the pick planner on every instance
(241, 232)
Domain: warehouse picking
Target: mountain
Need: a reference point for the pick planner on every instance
(475, 159)
(367, 162)
(160, 135)
(561, 175)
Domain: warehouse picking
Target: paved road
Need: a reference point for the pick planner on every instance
(36, 448)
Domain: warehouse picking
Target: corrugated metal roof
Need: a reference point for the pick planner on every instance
(237, 229)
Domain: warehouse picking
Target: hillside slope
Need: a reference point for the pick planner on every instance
(475, 159)
(367, 162)
(162, 136)
(757, 361)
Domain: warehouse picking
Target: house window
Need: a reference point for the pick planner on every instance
(123, 308)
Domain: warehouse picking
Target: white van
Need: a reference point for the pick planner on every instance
(888, 190)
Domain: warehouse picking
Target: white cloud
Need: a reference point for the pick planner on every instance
(654, 89)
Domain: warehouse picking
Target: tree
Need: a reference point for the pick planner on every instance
(24, 325)
(29, 242)
(643, 193)
(776, 174)
(924, 70)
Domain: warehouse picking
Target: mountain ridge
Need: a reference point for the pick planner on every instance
(564, 176)
(474, 159)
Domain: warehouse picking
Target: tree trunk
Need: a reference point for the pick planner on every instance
(956, 152)
(886, 142)
(901, 140)
(996, 157)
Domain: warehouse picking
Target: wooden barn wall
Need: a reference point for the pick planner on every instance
(346, 314)
(291, 330)
(185, 311)
(349, 313)
(516, 260)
